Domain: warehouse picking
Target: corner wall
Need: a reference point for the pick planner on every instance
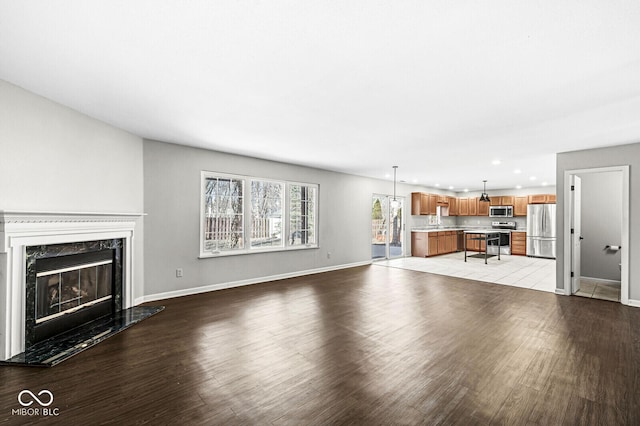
(55, 159)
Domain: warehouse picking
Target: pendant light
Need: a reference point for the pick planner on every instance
(394, 203)
(484, 197)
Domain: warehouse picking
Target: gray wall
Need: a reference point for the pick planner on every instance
(604, 157)
(601, 221)
(172, 202)
(53, 158)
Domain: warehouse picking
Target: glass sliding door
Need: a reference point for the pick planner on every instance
(387, 227)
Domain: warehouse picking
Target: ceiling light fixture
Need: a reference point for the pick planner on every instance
(496, 162)
(484, 197)
(394, 203)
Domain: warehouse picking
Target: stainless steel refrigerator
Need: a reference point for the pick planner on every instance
(541, 230)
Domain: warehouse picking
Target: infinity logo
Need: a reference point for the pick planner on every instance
(35, 398)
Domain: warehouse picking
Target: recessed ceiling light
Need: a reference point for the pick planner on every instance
(517, 171)
(466, 190)
(532, 178)
(451, 187)
(544, 184)
(518, 186)
(496, 162)
(437, 184)
(415, 181)
(387, 175)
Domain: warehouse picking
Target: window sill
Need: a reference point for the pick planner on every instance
(209, 255)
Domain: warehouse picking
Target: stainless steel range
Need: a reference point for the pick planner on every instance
(505, 237)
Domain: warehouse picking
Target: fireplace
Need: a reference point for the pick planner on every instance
(58, 270)
(68, 285)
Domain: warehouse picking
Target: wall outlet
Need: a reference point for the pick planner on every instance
(179, 273)
(328, 255)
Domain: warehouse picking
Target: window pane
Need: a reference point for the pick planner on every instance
(302, 211)
(223, 214)
(266, 214)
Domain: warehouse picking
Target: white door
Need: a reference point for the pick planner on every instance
(576, 234)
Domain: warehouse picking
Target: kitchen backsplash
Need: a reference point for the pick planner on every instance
(472, 221)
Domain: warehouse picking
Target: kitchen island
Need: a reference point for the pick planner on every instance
(486, 235)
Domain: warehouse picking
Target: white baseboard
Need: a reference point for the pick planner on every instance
(257, 280)
(635, 303)
(601, 279)
(561, 291)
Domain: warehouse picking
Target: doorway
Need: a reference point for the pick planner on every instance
(387, 227)
(590, 248)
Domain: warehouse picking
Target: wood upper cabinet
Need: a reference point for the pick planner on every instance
(473, 206)
(502, 200)
(483, 208)
(507, 200)
(520, 206)
(463, 206)
(433, 203)
(421, 205)
(453, 206)
(443, 200)
(542, 199)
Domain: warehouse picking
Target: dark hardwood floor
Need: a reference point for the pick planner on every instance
(369, 345)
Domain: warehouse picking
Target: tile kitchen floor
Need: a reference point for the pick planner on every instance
(517, 271)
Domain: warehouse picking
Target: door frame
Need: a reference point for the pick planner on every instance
(403, 231)
(568, 212)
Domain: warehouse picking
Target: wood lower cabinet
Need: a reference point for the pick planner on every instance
(520, 206)
(425, 244)
(519, 243)
(433, 243)
(419, 244)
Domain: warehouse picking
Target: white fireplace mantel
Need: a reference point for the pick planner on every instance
(21, 229)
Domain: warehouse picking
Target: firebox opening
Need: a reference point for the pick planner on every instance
(73, 289)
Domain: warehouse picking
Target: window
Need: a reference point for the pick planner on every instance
(223, 214)
(302, 214)
(274, 215)
(266, 214)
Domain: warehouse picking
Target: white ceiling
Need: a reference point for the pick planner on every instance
(439, 88)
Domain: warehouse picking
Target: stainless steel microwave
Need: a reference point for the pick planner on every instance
(500, 211)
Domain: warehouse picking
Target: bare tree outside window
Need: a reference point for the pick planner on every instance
(266, 214)
(223, 214)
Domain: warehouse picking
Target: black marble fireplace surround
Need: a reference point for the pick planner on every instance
(40, 259)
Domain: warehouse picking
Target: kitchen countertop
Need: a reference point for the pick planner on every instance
(468, 229)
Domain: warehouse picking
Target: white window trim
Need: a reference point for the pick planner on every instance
(246, 216)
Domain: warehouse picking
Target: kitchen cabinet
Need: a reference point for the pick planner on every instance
(452, 242)
(453, 206)
(507, 200)
(542, 199)
(419, 203)
(442, 242)
(433, 204)
(502, 200)
(433, 243)
(442, 200)
(483, 208)
(520, 206)
(463, 206)
(519, 243)
(473, 206)
(419, 244)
